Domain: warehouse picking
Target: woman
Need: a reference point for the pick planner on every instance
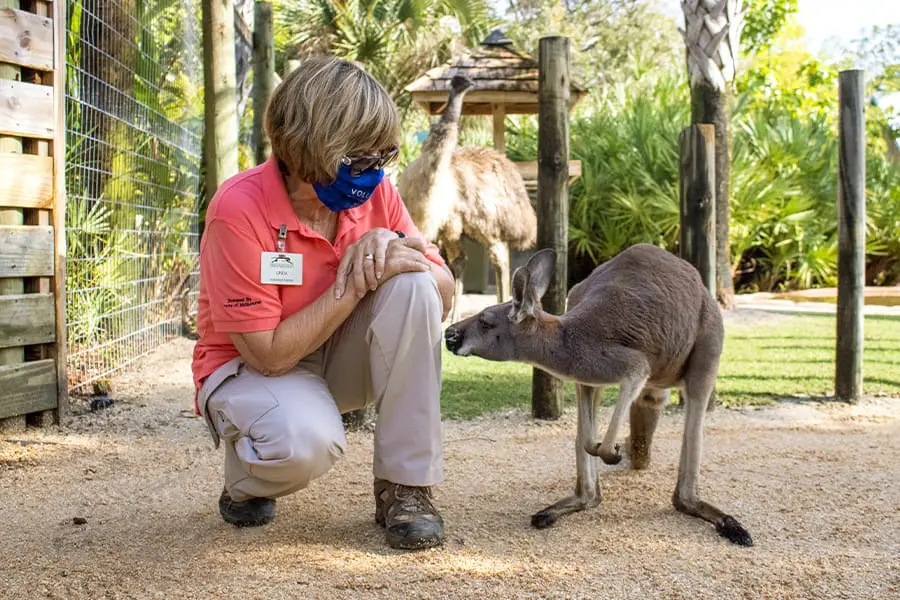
(318, 297)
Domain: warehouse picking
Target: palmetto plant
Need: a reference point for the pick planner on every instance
(627, 144)
(396, 40)
(783, 186)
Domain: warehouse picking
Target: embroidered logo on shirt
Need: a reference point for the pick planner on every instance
(241, 302)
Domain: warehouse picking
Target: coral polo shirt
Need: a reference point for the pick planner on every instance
(242, 222)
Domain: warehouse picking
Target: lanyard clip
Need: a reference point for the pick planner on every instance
(282, 235)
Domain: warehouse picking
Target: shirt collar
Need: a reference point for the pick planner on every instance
(278, 203)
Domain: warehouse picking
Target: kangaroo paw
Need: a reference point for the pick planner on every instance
(610, 457)
(735, 533)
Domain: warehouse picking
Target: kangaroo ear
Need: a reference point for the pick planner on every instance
(541, 266)
(523, 298)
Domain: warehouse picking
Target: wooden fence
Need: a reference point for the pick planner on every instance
(32, 236)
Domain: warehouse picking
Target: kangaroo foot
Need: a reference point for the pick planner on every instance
(727, 526)
(568, 505)
(639, 453)
(610, 457)
(733, 531)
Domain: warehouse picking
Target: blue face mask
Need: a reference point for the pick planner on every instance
(347, 190)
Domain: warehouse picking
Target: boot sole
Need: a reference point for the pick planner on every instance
(404, 543)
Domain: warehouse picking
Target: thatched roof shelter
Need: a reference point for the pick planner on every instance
(504, 77)
(506, 83)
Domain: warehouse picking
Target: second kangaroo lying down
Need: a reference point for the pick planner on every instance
(644, 321)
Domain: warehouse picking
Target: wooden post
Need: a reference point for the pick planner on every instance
(698, 200)
(220, 105)
(59, 209)
(851, 236)
(263, 74)
(553, 198)
(499, 113)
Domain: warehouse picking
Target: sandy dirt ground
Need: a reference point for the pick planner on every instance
(818, 486)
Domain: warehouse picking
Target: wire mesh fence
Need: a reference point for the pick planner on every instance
(133, 137)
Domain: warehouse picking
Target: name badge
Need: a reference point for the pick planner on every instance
(281, 268)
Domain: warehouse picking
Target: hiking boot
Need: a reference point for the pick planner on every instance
(249, 513)
(406, 512)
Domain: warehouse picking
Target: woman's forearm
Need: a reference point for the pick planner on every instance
(276, 351)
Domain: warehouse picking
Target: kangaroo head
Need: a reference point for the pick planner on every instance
(503, 331)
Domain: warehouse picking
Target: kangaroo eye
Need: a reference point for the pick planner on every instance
(484, 323)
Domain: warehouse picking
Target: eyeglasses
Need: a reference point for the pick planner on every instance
(365, 162)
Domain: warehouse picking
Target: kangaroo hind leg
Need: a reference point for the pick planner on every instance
(698, 383)
(643, 420)
(587, 486)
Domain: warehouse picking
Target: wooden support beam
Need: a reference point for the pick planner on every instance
(58, 152)
(263, 74)
(848, 381)
(698, 201)
(499, 114)
(10, 74)
(553, 198)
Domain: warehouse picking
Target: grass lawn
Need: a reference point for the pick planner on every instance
(776, 357)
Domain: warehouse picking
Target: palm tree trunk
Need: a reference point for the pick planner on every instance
(712, 31)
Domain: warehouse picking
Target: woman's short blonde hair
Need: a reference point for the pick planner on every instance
(325, 109)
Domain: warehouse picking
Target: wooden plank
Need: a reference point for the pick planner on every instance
(27, 181)
(59, 208)
(529, 170)
(697, 178)
(480, 97)
(848, 380)
(553, 200)
(27, 319)
(26, 39)
(27, 388)
(26, 251)
(26, 109)
(437, 107)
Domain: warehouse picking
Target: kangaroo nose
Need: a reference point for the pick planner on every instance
(453, 338)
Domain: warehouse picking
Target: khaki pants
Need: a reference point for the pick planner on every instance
(282, 432)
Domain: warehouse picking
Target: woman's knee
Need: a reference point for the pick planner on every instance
(417, 292)
(298, 453)
(297, 448)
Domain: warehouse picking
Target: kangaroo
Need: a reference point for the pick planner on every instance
(643, 321)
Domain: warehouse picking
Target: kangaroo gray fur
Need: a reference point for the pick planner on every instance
(644, 321)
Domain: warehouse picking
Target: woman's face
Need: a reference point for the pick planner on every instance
(364, 162)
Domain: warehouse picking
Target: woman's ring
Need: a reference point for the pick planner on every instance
(369, 257)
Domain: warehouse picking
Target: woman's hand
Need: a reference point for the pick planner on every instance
(405, 255)
(364, 263)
